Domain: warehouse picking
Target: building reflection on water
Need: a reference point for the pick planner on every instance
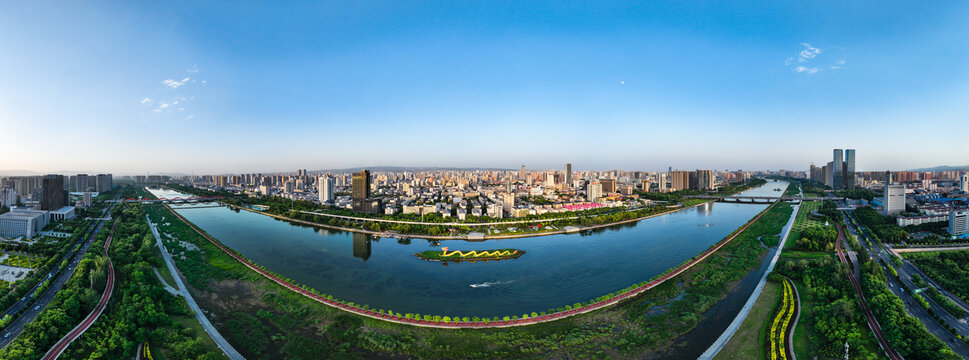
(361, 245)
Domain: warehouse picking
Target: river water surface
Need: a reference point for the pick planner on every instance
(555, 271)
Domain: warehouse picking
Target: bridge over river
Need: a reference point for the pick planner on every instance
(760, 199)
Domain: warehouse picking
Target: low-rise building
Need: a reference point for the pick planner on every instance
(22, 222)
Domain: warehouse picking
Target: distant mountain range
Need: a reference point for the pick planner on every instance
(943, 168)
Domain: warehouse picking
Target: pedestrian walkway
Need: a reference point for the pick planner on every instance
(735, 324)
(168, 288)
(206, 324)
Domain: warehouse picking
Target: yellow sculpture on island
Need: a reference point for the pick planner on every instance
(474, 253)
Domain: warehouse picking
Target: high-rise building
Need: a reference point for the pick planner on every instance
(704, 179)
(361, 185)
(325, 186)
(829, 174)
(521, 174)
(894, 199)
(361, 192)
(53, 196)
(681, 180)
(849, 177)
(608, 185)
(959, 222)
(568, 174)
(104, 182)
(593, 191)
(964, 183)
(8, 197)
(839, 171)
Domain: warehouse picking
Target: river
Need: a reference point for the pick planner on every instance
(555, 271)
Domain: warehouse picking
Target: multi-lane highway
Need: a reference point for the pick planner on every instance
(32, 307)
(876, 250)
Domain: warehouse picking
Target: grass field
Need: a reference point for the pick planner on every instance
(749, 340)
(24, 261)
(803, 221)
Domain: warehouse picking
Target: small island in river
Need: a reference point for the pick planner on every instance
(473, 255)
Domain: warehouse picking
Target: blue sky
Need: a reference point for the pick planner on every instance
(260, 86)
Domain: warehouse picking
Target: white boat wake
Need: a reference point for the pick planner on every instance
(489, 283)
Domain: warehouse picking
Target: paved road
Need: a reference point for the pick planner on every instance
(927, 249)
(739, 319)
(12, 331)
(168, 288)
(206, 324)
(911, 306)
(872, 322)
(64, 342)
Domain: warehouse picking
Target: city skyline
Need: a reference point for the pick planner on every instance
(616, 86)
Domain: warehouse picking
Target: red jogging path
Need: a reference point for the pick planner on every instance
(66, 341)
(478, 324)
(872, 323)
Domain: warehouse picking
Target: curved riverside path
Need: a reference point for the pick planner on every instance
(66, 341)
(223, 344)
(735, 324)
(478, 324)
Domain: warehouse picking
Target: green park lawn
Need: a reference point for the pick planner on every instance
(749, 340)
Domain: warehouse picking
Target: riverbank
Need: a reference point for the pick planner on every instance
(569, 230)
(643, 326)
(447, 322)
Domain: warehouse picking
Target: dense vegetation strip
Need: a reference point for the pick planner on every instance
(949, 269)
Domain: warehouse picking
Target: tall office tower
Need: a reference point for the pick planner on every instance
(704, 179)
(104, 182)
(568, 174)
(361, 185)
(849, 181)
(829, 174)
(964, 183)
(521, 174)
(959, 222)
(889, 178)
(894, 199)
(593, 191)
(325, 188)
(839, 171)
(53, 196)
(661, 182)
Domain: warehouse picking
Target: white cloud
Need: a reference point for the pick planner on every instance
(804, 69)
(146, 100)
(189, 117)
(809, 52)
(194, 69)
(175, 84)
